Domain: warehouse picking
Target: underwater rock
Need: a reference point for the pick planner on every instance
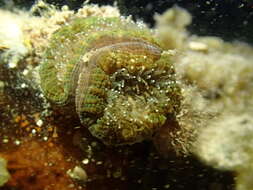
(116, 75)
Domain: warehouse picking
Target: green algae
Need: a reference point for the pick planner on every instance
(4, 174)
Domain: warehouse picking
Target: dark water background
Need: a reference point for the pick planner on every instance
(229, 19)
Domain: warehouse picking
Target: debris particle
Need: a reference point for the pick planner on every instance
(39, 123)
(5, 140)
(17, 142)
(85, 161)
(117, 173)
(78, 173)
(198, 46)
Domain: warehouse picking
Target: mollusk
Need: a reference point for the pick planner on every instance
(115, 73)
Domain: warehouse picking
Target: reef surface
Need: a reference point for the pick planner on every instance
(204, 144)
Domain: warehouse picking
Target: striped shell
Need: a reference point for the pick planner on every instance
(117, 76)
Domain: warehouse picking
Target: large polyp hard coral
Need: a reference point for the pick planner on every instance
(116, 74)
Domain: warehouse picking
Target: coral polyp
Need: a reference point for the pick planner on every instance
(116, 74)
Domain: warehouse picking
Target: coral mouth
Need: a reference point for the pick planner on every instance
(132, 103)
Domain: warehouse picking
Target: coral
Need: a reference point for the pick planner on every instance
(226, 144)
(107, 65)
(202, 67)
(171, 27)
(216, 77)
(244, 178)
(11, 39)
(228, 139)
(125, 88)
